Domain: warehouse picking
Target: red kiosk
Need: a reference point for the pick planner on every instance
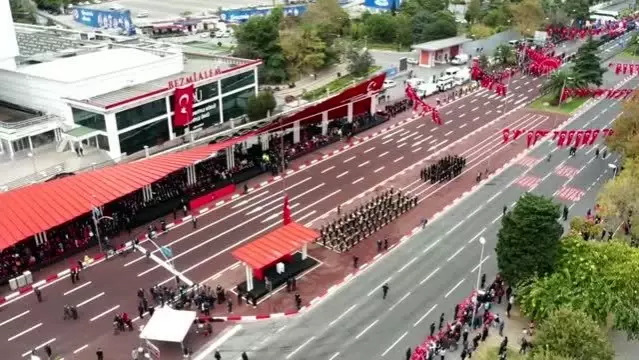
(261, 257)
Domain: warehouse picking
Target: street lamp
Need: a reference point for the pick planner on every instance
(482, 241)
(33, 162)
(564, 88)
(614, 169)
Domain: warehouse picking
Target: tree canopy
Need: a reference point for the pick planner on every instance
(559, 80)
(528, 240)
(258, 107)
(528, 16)
(597, 278)
(572, 333)
(587, 67)
(359, 62)
(23, 11)
(619, 197)
(625, 139)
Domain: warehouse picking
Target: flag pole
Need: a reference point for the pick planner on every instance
(283, 164)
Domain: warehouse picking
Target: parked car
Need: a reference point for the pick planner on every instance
(412, 61)
(426, 89)
(415, 82)
(389, 84)
(460, 59)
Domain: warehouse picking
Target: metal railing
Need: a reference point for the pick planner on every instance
(14, 125)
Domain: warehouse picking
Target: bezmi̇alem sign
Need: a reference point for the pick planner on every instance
(194, 77)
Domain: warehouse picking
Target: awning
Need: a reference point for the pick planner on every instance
(168, 324)
(33, 209)
(268, 249)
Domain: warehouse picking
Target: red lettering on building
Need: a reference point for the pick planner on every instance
(194, 77)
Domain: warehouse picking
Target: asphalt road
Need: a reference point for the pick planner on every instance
(433, 271)
(203, 253)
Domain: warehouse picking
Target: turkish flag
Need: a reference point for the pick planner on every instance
(618, 69)
(530, 139)
(594, 136)
(562, 138)
(579, 138)
(286, 212)
(506, 134)
(183, 105)
(587, 136)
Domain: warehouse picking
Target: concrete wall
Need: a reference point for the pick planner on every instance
(491, 43)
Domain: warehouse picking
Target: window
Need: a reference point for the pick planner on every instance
(136, 115)
(235, 105)
(103, 142)
(238, 81)
(88, 119)
(150, 134)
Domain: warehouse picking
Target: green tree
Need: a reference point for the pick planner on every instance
(528, 240)
(329, 18)
(258, 107)
(497, 16)
(480, 31)
(546, 355)
(359, 62)
(484, 63)
(587, 66)
(505, 56)
(381, 28)
(577, 9)
(413, 7)
(585, 228)
(23, 11)
(573, 334)
(303, 50)
(259, 38)
(557, 81)
(528, 16)
(473, 12)
(599, 279)
(403, 30)
(429, 26)
(625, 139)
(619, 197)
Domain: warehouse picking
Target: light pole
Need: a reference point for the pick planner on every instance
(482, 241)
(33, 162)
(96, 221)
(614, 169)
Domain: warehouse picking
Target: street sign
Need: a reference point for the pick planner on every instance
(403, 64)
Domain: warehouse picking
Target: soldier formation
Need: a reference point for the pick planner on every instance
(444, 170)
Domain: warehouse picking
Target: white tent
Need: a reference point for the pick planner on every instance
(169, 325)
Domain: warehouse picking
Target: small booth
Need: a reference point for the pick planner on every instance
(274, 258)
(441, 51)
(167, 325)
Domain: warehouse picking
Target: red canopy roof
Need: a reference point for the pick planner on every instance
(33, 209)
(275, 245)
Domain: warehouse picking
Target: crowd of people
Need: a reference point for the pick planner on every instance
(398, 107)
(444, 169)
(349, 229)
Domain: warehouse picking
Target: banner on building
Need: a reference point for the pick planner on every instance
(183, 106)
(105, 19)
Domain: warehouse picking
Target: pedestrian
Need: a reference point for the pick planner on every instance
(385, 243)
(244, 356)
(355, 262)
(455, 312)
(605, 154)
(217, 355)
(48, 351)
(339, 210)
(384, 290)
(596, 153)
(99, 354)
(504, 210)
(566, 212)
(194, 221)
(502, 325)
(298, 301)
(483, 281)
(73, 276)
(229, 306)
(379, 245)
(464, 353)
(408, 353)
(484, 333)
(441, 320)
(424, 223)
(432, 329)
(38, 294)
(185, 209)
(174, 213)
(141, 310)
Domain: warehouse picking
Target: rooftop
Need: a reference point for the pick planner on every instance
(441, 44)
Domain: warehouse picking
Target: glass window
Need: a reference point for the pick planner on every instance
(237, 81)
(103, 142)
(150, 134)
(202, 93)
(141, 113)
(89, 119)
(235, 105)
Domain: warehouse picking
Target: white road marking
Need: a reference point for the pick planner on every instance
(342, 174)
(425, 315)
(369, 150)
(28, 352)
(475, 119)
(398, 159)
(364, 163)
(378, 169)
(407, 264)
(387, 141)
(483, 261)
(448, 133)
(395, 343)
(462, 126)
(416, 150)
(328, 169)
(24, 332)
(77, 288)
(429, 276)
(383, 154)
(476, 236)
(399, 301)
(342, 315)
(461, 106)
(456, 253)
(454, 288)
(90, 299)
(379, 286)
(300, 347)
(80, 349)
(365, 330)
(14, 318)
(400, 145)
(475, 108)
(486, 103)
(349, 159)
(358, 180)
(462, 115)
(334, 356)
(104, 313)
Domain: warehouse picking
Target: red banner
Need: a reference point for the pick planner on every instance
(183, 105)
(420, 105)
(625, 69)
(574, 138)
(492, 81)
(607, 93)
(212, 196)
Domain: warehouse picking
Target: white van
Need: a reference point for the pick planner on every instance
(462, 77)
(426, 89)
(445, 82)
(460, 59)
(415, 82)
(451, 71)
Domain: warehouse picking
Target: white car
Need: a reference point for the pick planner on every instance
(460, 59)
(389, 84)
(412, 61)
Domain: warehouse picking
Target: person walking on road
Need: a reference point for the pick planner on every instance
(38, 294)
(99, 354)
(244, 356)
(194, 221)
(217, 355)
(441, 320)
(565, 212)
(408, 353)
(384, 290)
(432, 329)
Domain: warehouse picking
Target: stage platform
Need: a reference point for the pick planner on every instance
(292, 269)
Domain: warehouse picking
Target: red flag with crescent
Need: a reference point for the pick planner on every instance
(183, 106)
(562, 138)
(594, 136)
(506, 134)
(517, 133)
(578, 138)
(586, 138)
(286, 212)
(570, 137)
